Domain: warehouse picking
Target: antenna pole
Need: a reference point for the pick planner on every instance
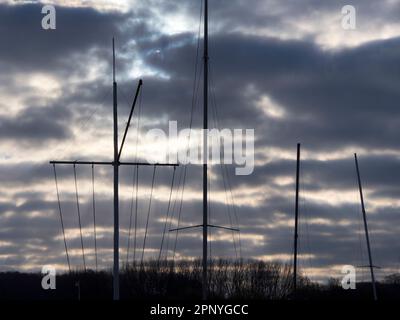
(371, 266)
(205, 152)
(116, 184)
(296, 220)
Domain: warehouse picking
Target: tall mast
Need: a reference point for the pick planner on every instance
(115, 163)
(205, 152)
(371, 266)
(116, 173)
(296, 220)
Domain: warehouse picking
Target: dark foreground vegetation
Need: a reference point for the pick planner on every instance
(252, 280)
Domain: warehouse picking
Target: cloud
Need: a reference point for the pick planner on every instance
(35, 123)
(336, 102)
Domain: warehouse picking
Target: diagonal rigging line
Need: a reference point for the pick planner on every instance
(137, 174)
(177, 192)
(306, 218)
(148, 215)
(359, 218)
(227, 182)
(229, 211)
(61, 217)
(196, 87)
(94, 217)
(173, 212)
(225, 185)
(79, 217)
(194, 102)
(136, 189)
(167, 216)
(179, 214)
(234, 210)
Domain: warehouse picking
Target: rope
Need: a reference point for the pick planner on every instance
(61, 218)
(148, 215)
(79, 217)
(94, 217)
(166, 218)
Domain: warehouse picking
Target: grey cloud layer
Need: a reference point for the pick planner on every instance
(332, 100)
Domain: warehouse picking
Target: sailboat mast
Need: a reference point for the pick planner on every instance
(296, 220)
(205, 152)
(116, 187)
(371, 266)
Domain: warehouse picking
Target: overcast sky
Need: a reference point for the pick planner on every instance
(284, 68)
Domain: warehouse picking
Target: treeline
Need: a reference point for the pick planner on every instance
(182, 280)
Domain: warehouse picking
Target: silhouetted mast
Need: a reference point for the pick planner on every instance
(296, 220)
(371, 266)
(116, 186)
(205, 225)
(116, 163)
(205, 152)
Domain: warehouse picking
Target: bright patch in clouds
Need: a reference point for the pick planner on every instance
(270, 108)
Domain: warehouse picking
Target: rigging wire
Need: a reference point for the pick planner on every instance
(179, 216)
(94, 216)
(79, 217)
(226, 191)
(306, 218)
(224, 169)
(136, 215)
(185, 170)
(81, 125)
(234, 211)
(135, 188)
(137, 175)
(225, 188)
(196, 86)
(131, 215)
(173, 210)
(148, 215)
(359, 248)
(167, 216)
(61, 217)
